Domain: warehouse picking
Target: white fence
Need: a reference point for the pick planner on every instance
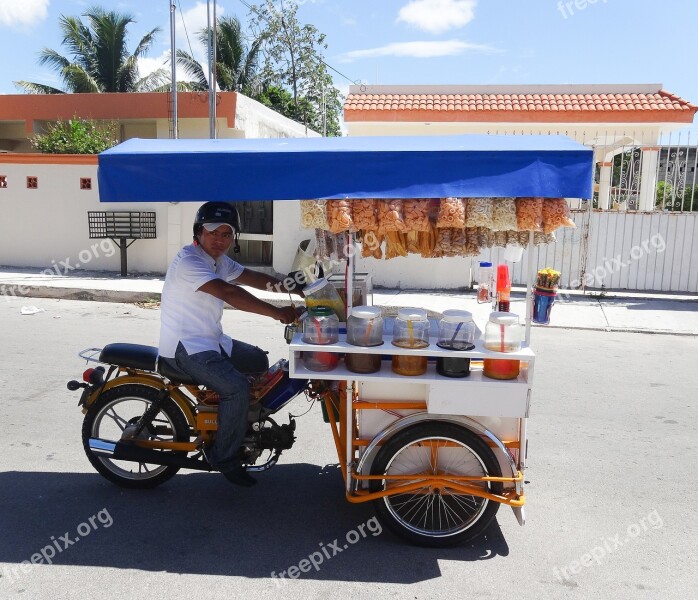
(644, 251)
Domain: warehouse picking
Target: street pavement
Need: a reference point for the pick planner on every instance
(609, 504)
(627, 311)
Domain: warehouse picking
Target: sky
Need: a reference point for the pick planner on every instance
(416, 41)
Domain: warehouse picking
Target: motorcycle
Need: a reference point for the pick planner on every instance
(144, 421)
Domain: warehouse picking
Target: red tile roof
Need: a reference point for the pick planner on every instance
(660, 106)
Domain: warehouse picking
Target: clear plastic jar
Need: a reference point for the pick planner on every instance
(457, 332)
(410, 330)
(364, 328)
(320, 327)
(323, 293)
(503, 333)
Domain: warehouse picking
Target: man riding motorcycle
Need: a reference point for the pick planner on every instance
(199, 281)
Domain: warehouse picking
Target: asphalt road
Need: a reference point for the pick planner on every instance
(611, 509)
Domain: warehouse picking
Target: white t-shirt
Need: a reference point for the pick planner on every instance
(190, 316)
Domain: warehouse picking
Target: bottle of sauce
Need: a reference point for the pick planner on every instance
(503, 288)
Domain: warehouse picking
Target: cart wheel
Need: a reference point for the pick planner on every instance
(435, 516)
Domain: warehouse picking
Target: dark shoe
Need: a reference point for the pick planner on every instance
(239, 476)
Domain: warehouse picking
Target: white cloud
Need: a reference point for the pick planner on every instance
(23, 13)
(437, 16)
(419, 50)
(195, 19)
(147, 65)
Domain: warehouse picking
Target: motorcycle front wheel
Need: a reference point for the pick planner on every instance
(109, 416)
(435, 516)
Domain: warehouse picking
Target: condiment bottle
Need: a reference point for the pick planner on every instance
(503, 288)
(484, 282)
(502, 334)
(410, 330)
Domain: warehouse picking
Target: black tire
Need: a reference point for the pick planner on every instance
(432, 517)
(171, 424)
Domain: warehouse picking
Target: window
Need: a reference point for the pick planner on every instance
(3, 181)
(85, 183)
(32, 183)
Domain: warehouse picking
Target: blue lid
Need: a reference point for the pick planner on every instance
(485, 264)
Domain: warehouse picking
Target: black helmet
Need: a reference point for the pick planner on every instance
(218, 212)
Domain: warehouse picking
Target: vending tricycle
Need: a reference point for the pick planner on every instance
(434, 434)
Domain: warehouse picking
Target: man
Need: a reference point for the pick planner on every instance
(200, 280)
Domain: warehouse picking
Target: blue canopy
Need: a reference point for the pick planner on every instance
(347, 167)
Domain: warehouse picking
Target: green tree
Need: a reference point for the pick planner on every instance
(237, 66)
(669, 199)
(293, 56)
(77, 136)
(99, 59)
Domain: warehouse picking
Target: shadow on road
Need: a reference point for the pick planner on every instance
(199, 523)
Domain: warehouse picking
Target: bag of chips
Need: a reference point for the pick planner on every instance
(416, 214)
(503, 214)
(314, 214)
(556, 213)
(529, 214)
(339, 215)
(451, 213)
(390, 215)
(478, 212)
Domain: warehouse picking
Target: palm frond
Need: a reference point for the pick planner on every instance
(36, 88)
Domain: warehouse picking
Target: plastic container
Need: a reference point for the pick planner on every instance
(320, 327)
(457, 332)
(485, 282)
(323, 293)
(503, 288)
(364, 328)
(502, 334)
(410, 330)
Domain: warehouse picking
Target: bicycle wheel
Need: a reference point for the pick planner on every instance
(435, 515)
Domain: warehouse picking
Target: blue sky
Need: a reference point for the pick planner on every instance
(421, 41)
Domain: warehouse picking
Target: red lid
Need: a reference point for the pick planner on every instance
(503, 279)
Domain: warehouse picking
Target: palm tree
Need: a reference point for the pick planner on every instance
(237, 67)
(100, 60)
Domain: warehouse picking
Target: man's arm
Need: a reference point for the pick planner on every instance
(261, 281)
(243, 300)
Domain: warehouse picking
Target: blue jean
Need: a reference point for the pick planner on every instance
(228, 377)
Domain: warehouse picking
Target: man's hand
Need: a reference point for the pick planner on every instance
(285, 314)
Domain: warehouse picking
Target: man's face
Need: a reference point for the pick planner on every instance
(217, 242)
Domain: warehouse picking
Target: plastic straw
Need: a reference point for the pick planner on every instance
(453, 339)
(501, 336)
(318, 329)
(410, 329)
(368, 332)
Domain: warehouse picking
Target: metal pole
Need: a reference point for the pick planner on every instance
(175, 125)
(215, 58)
(211, 91)
(124, 262)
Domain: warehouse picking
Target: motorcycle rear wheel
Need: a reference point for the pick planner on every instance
(112, 413)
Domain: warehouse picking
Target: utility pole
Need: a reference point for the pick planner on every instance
(211, 68)
(174, 133)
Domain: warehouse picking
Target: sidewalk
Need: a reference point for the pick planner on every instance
(632, 312)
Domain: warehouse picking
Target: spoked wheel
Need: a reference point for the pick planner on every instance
(109, 416)
(435, 515)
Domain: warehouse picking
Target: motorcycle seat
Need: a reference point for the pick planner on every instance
(174, 374)
(135, 356)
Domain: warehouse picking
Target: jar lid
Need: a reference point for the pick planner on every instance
(311, 288)
(457, 316)
(412, 314)
(484, 263)
(504, 318)
(366, 312)
(320, 311)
